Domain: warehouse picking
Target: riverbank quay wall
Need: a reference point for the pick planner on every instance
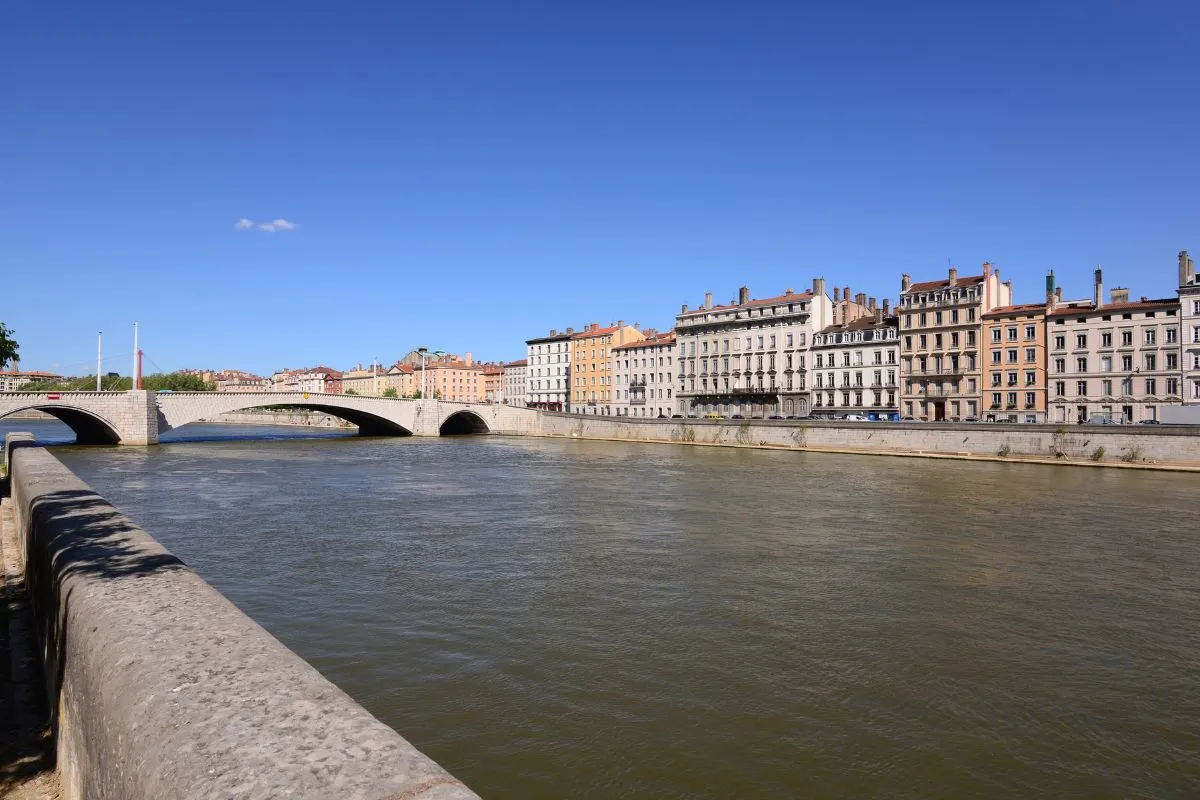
(160, 687)
(1099, 444)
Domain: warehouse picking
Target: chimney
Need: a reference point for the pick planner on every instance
(468, 358)
(861, 299)
(905, 282)
(743, 295)
(818, 286)
(620, 323)
(637, 326)
(953, 276)
(1187, 269)
(1058, 295)
(871, 303)
(1099, 288)
(788, 292)
(554, 331)
(878, 315)
(887, 307)
(570, 331)
(707, 300)
(683, 309)
(1119, 295)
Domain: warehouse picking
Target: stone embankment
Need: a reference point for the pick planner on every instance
(294, 419)
(1156, 447)
(160, 687)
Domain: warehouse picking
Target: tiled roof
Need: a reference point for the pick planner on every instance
(769, 301)
(521, 363)
(596, 332)
(1026, 308)
(657, 340)
(925, 286)
(1090, 308)
(862, 324)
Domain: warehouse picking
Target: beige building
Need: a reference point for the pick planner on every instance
(404, 378)
(454, 380)
(365, 381)
(856, 367)
(1118, 359)
(592, 366)
(493, 383)
(941, 327)
(238, 381)
(644, 376)
(12, 380)
(750, 358)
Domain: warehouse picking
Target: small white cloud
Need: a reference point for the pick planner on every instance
(274, 226)
(277, 225)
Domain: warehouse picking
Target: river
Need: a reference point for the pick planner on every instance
(555, 618)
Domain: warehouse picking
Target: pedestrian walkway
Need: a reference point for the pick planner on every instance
(26, 749)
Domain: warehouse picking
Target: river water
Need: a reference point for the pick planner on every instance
(553, 618)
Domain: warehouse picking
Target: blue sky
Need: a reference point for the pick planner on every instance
(466, 175)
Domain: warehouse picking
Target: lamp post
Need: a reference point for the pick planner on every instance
(424, 353)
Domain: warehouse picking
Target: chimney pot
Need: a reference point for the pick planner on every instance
(887, 307)
(554, 331)
(683, 309)
(788, 292)
(861, 299)
(708, 300)
(743, 295)
(953, 276)
(570, 331)
(1098, 294)
(905, 282)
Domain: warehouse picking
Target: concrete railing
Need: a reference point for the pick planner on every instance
(160, 687)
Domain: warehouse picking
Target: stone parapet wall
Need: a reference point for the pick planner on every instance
(162, 688)
(1102, 444)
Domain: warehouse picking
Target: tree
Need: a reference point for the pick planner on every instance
(351, 391)
(8, 347)
(390, 391)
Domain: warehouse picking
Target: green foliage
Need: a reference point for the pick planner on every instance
(1134, 455)
(390, 392)
(351, 391)
(1098, 454)
(170, 381)
(8, 347)
(1005, 451)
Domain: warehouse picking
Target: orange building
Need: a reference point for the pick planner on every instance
(1014, 363)
(454, 380)
(493, 383)
(592, 365)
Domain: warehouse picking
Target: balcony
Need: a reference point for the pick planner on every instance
(936, 391)
(752, 390)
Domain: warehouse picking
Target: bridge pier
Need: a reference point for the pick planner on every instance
(428, 418)
(138, 418)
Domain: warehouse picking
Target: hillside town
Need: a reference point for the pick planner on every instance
(955, 347)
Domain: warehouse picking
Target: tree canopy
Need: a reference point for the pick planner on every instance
(8, 347)
(169, 381)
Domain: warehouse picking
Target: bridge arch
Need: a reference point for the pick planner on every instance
(368, 424)
(373, 416)
(89, 427)
(463, 422)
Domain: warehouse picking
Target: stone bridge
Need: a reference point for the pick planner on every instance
(140, 417)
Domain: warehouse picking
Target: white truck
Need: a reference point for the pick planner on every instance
(1181, 415)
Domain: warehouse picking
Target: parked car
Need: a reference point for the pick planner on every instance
(793, 416)
(691, 416)
(662, 415)
(775, 416)
(909, 419)
(737, 416)
(970, 419)
(713, 415)
(677, 416)
(1149, 422)
(1100, 419)
(855, 418)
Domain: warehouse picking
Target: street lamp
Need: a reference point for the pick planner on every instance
(424, 352)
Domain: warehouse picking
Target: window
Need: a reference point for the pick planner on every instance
(1172, 336)
(1012, 399)
(1081, 388)
(954, 339)
(1126, 363)
(1060, 388)
(1151, 361)
(1127, 386)
(996, 379)
(995, 335)
(772, 342)
(1012, 355)
(1060, 365)
(1030, 377)
(954, 316)
(789, 340)
(1151, 335)
(1173, 387)
(1012, 378)
(971, 338)
(1172, 361)
(996, 399)
(1106, 388)
(1106, 363)
(1030, 354)
(1012, 333)
(1081, 365)
(1126, 338)
(908, 342)
(1106, 339)
(1060, 342)
(1151, 386)
(937, 341)
(996, 356)
(1081, 341)
(937, 318)
(923, 341)
(970, 315)
(1030, 332)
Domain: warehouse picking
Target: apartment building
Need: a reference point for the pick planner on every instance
(319, 379)
(856, 367)
(493, 383)
(644, 376)
(1189, 301)
(459, 381)
(404, 378)
(1118, 359)
(941, 325)
(12, 380)
(364, 380)
(1014, 360)
(238, 381)
(592, 365)
(749, 357)
(514, 383)
(548, 371)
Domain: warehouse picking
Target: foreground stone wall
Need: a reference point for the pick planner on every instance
(1095, 444)
(162, 688)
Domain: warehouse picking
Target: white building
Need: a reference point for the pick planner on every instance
(1189, 301)
(644, 376)
(856, 368)
(548, 371)
(1118, 359)
(514, 383)
(13, 380)
(749, 358)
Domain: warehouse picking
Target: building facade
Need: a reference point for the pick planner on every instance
(941, 327)
(856, 368)
(514, 383)
(455, 380)
(1189, 335)
(13, 380)
(548, 371)
(1118, 359)
(644, 376)
(749, 358)
(592, 366)
(493, 383)
(364, 381)
(1014, 361)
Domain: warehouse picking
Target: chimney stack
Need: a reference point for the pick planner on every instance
(953, 276)
(788, 292)
(905, 282)
(743, 295)
(871, 303)
(887, 307)
(554, 331)
(861, 299)
(1187, 269)
(846, 294)
(818, 286)
(1099, 288)
(1119, 295)
(707, 300)
(878, 312)
(683, 309)
(620, 323)
(570, 331)
(468, 359)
